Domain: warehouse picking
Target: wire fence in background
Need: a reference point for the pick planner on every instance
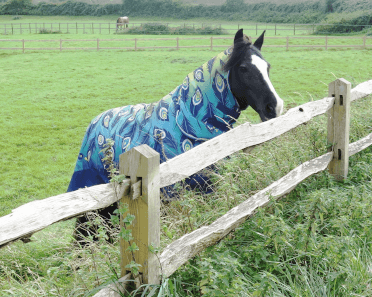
(111, 28)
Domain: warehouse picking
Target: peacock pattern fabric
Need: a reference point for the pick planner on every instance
(201, 108)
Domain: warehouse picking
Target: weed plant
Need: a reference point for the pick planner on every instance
(161, 29)
(46, 31)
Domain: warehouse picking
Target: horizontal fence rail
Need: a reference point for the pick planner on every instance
(211, 43)
(111, 27)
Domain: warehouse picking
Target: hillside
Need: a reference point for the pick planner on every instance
(266, 11)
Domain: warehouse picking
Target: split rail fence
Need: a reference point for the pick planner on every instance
(325, 42)
(145, 177)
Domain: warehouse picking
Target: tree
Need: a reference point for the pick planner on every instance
(233, 5)
(17, 7)
(329, 5)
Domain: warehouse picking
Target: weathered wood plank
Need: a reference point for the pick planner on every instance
(183, 249)
(179, 167)
(37, 215)
(360, 145)
(361, 90)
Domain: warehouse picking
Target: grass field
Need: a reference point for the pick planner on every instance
(48, 99)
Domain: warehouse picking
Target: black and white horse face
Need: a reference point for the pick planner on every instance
(249, 78)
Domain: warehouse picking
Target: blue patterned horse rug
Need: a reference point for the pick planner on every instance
(201, 108)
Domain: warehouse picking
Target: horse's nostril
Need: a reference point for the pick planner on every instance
(269, 108)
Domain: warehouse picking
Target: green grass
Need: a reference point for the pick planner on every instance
(48, 101)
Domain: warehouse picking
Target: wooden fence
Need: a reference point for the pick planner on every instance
(110, 27)
(146, 176)
(211, 43)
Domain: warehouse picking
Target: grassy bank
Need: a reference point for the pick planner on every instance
(45, 117)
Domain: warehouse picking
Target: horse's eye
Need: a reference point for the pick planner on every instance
(243, 69)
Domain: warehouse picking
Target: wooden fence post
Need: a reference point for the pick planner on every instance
(287, 43)
(97, 44)
(135, 44)
(338, 128)
(23, 45)
(326, 42)
(211, 43)
(178, 43)
(60, 44)
(141, 165)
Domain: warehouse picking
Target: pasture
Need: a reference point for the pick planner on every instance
(49, 98)
(84, 24)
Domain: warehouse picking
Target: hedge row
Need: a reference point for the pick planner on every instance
(357, 24)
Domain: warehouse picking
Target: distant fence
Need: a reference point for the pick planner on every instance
(109, 28)
(146, 176)
(211, 43)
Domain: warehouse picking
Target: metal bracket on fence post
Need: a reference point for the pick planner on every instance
(141, 163)
(338, 128)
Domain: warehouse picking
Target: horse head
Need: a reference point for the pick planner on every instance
(249, 78)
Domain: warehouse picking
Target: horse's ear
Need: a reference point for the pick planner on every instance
(259, 42)
(238, 35)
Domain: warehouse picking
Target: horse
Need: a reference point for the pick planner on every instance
(122, 21)
(205, 105)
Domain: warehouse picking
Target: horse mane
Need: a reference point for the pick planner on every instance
(239, 49)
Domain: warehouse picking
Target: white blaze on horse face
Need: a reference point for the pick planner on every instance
(262, 66)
